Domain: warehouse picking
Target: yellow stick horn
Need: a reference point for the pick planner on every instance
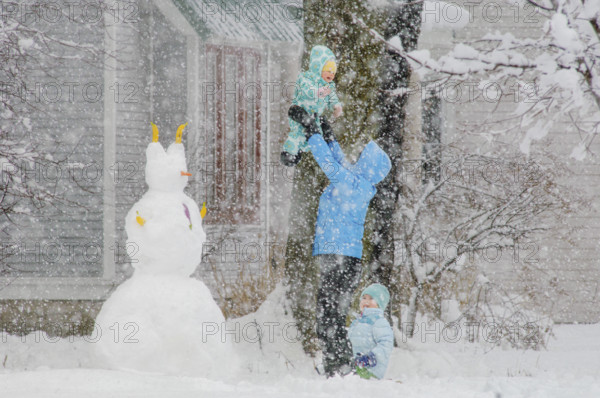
(154, 132)
(140, 220)
(179, 133)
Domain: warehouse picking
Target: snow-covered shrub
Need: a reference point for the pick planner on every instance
(246, 293)
(507, 319)
(455, 227)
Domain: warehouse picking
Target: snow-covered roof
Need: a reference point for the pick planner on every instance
(263, 20)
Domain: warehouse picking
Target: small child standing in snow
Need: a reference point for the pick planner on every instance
(314, 93)
(371, 335)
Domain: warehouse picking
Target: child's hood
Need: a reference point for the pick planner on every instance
(373, 164)
(319, 55)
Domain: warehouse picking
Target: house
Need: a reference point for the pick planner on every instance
(561, 263)
(226, 68)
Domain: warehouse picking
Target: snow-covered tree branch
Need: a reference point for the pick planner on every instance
(556, 74)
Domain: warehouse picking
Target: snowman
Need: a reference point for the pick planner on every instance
(159, 320)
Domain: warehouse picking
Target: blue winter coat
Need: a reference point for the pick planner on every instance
(371, 332)
(344, 203)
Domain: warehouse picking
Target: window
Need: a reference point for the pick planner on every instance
(232, 117)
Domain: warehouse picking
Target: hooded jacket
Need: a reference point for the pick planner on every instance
(306, 96)
(344, 203)
(309, 82)
(371, 332)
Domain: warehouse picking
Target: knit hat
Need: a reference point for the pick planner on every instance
(330, 66)
(379, 293)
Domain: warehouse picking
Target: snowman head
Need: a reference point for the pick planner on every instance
(166, 170)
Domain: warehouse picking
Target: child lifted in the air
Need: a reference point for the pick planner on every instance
(314, 93)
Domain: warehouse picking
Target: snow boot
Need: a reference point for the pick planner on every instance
(289, 160)
(320, 369)
(344, 370)
(363, 373)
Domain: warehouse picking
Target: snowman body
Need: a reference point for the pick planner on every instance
(171, 239)
(159, 319)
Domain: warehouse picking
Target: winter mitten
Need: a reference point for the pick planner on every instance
(324, 92)
(299, 115)
(327, 130)
(365, 361)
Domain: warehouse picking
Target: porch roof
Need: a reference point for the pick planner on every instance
(254, 20)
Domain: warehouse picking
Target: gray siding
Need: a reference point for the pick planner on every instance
(133, 112)
(151, 83)
(568, 266)
(65, 240)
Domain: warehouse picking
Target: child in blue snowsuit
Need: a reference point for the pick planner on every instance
(314, 93)
(371, 335)
(339, 232)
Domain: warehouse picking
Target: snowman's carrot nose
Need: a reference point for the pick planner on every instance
(185, 173)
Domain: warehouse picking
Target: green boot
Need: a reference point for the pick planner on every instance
(363, 373)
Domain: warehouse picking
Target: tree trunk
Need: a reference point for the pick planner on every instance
(413, 306)
(329, 23)
(403, 21)
(412, 144)
(301, 270)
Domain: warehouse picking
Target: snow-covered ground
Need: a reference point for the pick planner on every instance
(274, 366)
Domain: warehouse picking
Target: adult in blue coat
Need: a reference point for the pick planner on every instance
(339, 232)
